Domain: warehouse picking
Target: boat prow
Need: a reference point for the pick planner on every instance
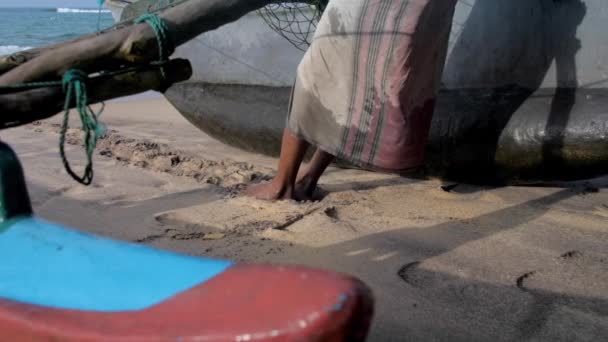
(62, 285)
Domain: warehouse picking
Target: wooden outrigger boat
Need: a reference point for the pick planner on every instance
(520, 102)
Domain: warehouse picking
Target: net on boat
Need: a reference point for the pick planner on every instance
(297, 21)
(294, 21)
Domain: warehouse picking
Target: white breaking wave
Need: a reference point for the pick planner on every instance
(80, 10)
(8, 49)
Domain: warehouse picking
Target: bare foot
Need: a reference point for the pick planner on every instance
(305, 189)
(271, 191)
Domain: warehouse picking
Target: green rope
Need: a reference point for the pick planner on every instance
(74, 85)
(166, 46)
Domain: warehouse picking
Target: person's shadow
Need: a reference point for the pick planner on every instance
(501, 58)
(563, 45)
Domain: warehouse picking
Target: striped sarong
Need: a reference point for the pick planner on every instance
(365, 90)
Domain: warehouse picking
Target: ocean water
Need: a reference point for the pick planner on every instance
(23, 28)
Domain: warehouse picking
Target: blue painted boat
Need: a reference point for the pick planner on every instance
(60, 284)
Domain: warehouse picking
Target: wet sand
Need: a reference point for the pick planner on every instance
(469, 264)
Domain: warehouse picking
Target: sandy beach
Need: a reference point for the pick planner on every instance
(465, 263)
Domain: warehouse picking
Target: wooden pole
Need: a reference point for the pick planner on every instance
(9, 62)
(14, 60)
(133, 44)
(24, 107)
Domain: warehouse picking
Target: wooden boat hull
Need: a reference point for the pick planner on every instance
(501, 135)
(519, 103)
(62, 285)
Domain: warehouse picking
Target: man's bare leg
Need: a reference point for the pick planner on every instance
(282, 186)
(306, 184)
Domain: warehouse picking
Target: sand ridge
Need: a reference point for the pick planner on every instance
(150, 155)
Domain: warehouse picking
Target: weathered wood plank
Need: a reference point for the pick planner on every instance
(9, 62)
(24, 107)
(132, 44)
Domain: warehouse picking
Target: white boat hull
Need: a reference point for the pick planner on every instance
(524, 92)
(493, 43)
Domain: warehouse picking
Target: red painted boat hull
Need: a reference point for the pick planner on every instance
(244, 303)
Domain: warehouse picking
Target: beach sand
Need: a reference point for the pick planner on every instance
(472, 264)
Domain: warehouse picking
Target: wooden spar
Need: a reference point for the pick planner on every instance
(131, 44)
(31, 105)
(9, 62)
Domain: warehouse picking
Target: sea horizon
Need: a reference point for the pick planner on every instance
(26, 27)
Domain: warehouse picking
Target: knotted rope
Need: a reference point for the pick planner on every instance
(75, 88)
(166, 47)
(74, 85)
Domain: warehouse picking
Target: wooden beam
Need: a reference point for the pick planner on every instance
(24, 107)
(132, 44)
(9, 62)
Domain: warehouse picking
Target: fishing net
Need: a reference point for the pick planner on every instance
(294, 21)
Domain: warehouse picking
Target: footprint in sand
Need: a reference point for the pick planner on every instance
(452, 287)
(575, 284)
(178, 229)
(411, 274)
(574, 272)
